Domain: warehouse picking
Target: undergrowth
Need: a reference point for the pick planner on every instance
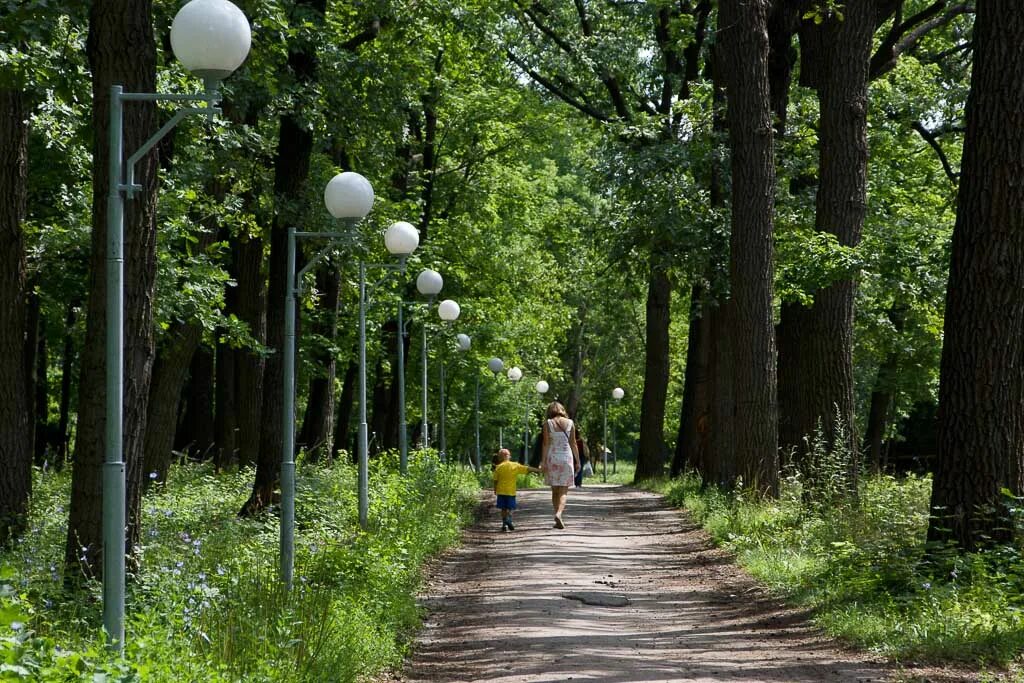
(863, 564)
(207, 603)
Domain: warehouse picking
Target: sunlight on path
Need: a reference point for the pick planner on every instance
(527, 605)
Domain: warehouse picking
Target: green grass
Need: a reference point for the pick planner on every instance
(865, 570)
(207, 605)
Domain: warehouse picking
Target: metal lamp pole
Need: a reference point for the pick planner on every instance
(604, 444)
(448, 311)
(617, 394)
(541, 388)
(495, 365)
(401, 239)
(514, 375)
(348, 197)
(193, 25)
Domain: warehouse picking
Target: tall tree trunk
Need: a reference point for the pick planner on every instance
(15, 432)
(250, 302)
(744, 37)
(719, 466)
(35, 389)
(981, 389)
(822, 349)
(121, 51)
(318, 424)
(169, 375)
(695, 410)
(66, 374)
(195, 427)
(225, 422)
(650, 461)
(343, 429)
(291, 171)
(379, 406)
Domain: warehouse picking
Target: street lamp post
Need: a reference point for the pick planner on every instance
(401, 239)
(465, 343)
(448, 311)
(348, 197)
(429, 283)
(617, 394)
(495, 365)
(541, 388)
(514, 375)
(211, 38)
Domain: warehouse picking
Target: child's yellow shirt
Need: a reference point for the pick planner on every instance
(505, 477)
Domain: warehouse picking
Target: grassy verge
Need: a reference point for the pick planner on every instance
(865, 571)
(206, 603)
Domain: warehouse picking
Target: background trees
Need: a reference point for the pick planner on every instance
(565, 163)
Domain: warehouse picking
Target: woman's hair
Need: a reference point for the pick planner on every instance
(556, 409)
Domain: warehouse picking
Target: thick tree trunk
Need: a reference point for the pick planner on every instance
(379, 405)
(318, 424)
(121, 51)
(878, 422)
(291, 170)
(820, 389)
(744, 37)
(695, 412)
(169, 373)
(250, 303)
(981, 390)
(719, 466)
(651, 457)
(15, 430)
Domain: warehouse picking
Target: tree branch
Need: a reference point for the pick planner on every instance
(365, 36)
(904, 36)
(932, 139)
(548, 85)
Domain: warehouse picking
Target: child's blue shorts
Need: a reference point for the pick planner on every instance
(505, 502)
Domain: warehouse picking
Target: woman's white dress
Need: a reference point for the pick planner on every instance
(559, 470)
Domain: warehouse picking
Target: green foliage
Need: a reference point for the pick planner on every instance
(207, 604)
(867, 571)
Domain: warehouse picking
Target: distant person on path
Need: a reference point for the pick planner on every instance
(560, 459)
(505, 472)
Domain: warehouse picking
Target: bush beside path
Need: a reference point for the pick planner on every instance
(631, 590)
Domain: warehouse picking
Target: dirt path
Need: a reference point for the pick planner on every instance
(629, 591)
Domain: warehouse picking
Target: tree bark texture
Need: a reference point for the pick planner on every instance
(291, 170)
(318, 425)
(744, 38)
(169, 373)
(15, 433)
(652, 450)
(695, 413)
(981, 389)
(249, 302)
(121, 51)
(818, 354)
(35, 353)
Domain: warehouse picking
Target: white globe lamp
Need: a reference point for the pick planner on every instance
(429, 282)
(348, 195)
(542, 387)
(463, 341)
(515, 374)
(401, 238)
(211, 38)
(448, 310)
(618, 393)
(495, 365)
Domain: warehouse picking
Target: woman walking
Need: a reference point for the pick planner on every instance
(560, 459)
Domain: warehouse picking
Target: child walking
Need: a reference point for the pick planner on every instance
(505, 472)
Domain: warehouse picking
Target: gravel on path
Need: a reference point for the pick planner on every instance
(631, 590)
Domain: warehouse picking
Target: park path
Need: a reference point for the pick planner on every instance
(631, 590)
